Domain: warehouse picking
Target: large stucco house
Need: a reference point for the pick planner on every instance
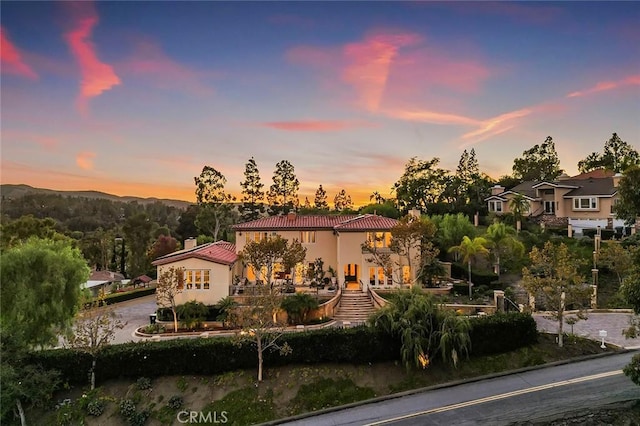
(212, 269)
(583, 201)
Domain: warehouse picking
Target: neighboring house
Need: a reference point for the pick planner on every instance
(142, 280)
(208, 270)
(583, 201)
(102, 281)
(336, 239)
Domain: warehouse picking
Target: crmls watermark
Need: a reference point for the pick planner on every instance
(202, 417)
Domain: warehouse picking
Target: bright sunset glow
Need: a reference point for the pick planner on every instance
(134, 98)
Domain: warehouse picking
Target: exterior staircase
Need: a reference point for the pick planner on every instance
(354, 307)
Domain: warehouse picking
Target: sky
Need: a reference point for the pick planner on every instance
(135, 98)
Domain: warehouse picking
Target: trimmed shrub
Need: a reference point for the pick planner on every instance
(502, 333)
(121, 297)
(359, 345)
(460, 271)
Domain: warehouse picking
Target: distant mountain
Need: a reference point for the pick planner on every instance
(10, 191)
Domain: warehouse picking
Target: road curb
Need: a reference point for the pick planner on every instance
(443, 386)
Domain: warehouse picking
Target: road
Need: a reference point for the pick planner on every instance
(527, 396)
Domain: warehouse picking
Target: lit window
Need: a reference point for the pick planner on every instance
(197, 279)
(379, 239)
(307, 237)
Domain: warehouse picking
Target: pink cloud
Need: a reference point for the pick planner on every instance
(431, 117)
(84, 160)
(368, 64)
(46, 142)
(633, 80)
(97, 77)
(12, 60)
(150, 62)
(315, 125)
(496, 125)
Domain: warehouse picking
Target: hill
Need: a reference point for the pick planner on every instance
(12, 191)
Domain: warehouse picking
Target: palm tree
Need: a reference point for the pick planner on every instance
(470, 249)
(518, 205)
(454, 336)
(225, 306)
(500, 238)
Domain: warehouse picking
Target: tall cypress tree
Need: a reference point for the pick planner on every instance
(252, 192)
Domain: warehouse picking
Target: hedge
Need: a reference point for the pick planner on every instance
(605, 233)
(129, 295)
(198, 356)
(477, 278)
(165, 314)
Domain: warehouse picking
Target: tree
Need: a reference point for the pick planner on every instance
(616, 258)
(469, 250)
(298, 307)
(137, 235)
(501, 242)
(170, 284)
(283, 193)
(553, 277)
(628, 206)
(377, 198)
(265, 254)
(22, 382)
(94, 329)
(421, 184)
(386, 209)
(466, 178)
(252, 192)
(540, 163)
(258, 322)
(25, 227)
(320, 200)
(451, 229)
(225, 306)
(163, 245)
(41, 281)
(423, 329)
(518, 205)
(342, 201)
(618, 155)
(214, 202)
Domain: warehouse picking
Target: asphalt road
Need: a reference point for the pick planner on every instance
(526, 396)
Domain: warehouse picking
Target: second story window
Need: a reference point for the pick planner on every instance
(256, 236)
(307, 237)
(379, 239)
(587, 203)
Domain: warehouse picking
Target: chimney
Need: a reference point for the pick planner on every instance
(497, 189)
(616, 179)
(291, 216)
(190, 243)
(564, 176)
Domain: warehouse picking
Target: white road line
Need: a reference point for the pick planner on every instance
(498, 397)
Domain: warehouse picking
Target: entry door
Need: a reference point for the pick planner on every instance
(351, 273)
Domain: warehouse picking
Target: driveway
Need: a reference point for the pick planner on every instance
(136, 313)
(612, 322)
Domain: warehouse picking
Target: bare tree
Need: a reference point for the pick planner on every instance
(170, 284)
(258, 322)
(94, 329)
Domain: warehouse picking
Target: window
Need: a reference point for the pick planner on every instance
(307, 237)
(406, 274)
(379, 239)
(197, 279)
(495, 206)
(256, 236)
(549, 207)
(376, 275)
(586, 203)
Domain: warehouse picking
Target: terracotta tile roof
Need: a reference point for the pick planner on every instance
(594, 174)
(294, 222)
(337, 222)
(367, 222)
(219, 252)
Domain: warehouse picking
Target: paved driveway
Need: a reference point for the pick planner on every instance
(612, 322)
(136, 313)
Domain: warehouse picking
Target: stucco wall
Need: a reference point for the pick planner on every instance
(219, 276)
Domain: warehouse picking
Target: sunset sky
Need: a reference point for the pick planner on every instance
(134, 98)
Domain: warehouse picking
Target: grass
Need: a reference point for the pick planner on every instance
(244, 406)
(325, 393)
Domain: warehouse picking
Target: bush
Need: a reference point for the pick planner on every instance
(95, 408)
(175, 402)
(460, 271)
(127, 408)
(502, 333)
(143, 383)
(192, 313)
(121, 297)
